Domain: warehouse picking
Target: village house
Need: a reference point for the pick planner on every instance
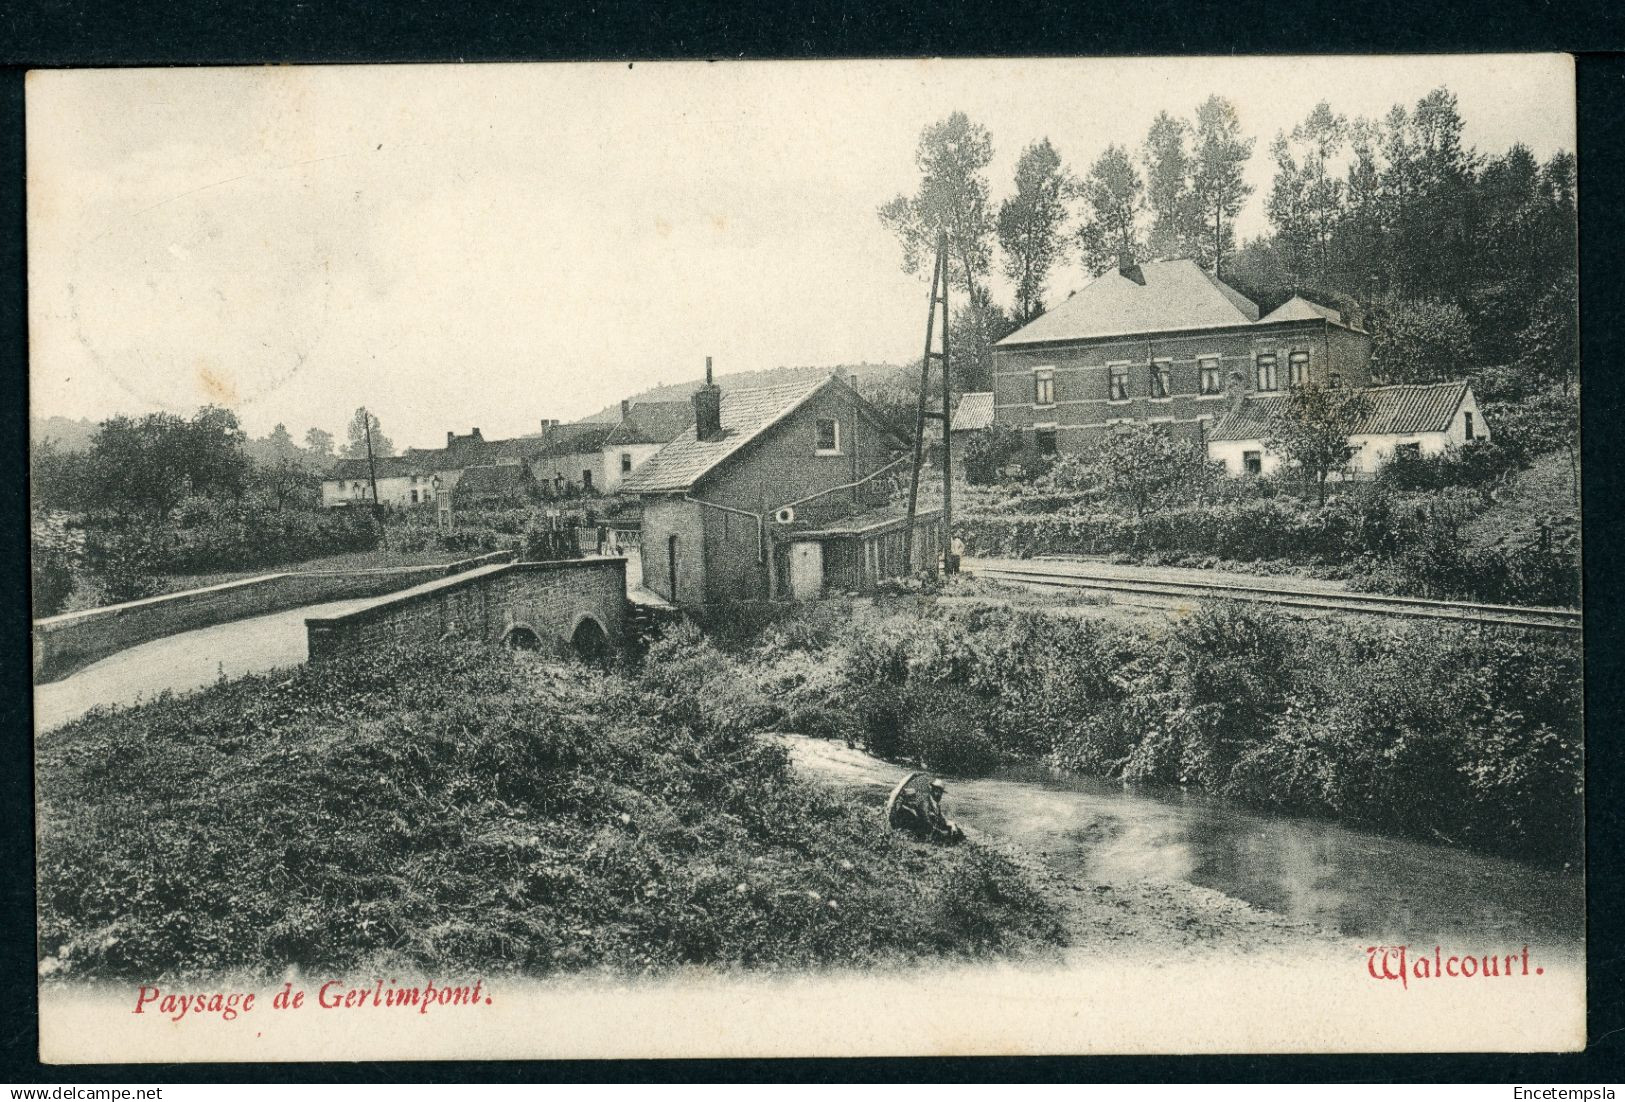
(644, 429)
(1163, 342)
(776, 492)
(402, 480)
(1425, 418)
(972, 418)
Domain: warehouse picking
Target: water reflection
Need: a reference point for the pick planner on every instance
(1362, 884)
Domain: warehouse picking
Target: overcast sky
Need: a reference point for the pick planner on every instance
(492, 245)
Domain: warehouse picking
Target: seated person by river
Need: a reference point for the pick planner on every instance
(916, 806)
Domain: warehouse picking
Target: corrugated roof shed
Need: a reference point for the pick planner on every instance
(652, 423)
(745, 415)
(975, 411)
(1168, 295)
(1394, 410)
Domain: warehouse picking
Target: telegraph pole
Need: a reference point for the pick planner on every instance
(372, 477)
(939, 298)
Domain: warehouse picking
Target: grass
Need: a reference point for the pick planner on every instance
(87, 591)
(459, 807)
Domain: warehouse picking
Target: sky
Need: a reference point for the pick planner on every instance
(491, 245)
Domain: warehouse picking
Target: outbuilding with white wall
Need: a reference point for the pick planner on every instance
(1426, 417)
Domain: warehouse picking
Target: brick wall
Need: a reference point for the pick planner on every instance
(73, 640)
(549, 599)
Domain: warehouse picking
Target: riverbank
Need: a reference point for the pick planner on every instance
(461, 809)
(1449, 734)
(1144, 917)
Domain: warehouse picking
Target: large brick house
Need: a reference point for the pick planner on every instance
(1162, 342)
(774, 492)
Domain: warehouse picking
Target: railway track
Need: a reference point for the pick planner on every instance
(1057, 576)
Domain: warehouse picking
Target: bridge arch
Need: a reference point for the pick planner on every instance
(588, 636)
(522, 636)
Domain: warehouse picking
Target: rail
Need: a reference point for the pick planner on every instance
(1552, 619)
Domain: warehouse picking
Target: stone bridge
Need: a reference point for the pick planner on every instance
(573, 604)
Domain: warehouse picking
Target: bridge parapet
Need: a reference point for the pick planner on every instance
(578, 603)
(72, 640)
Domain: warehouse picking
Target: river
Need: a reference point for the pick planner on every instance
(1364, 885)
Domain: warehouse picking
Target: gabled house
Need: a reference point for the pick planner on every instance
(775, 492)
(644, 429)
(1163, 342)
(1424, 418)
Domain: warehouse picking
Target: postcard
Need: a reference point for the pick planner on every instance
(836, 558)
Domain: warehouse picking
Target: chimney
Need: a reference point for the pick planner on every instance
(477, 436)
(1128, 266)
(626, 408)
(708, 408)
(450, 437)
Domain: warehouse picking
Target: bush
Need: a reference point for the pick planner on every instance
(54, 549)
(1446, 733)
(1478, 465)
(501, 813)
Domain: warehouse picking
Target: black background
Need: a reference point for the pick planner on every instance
(199, 32)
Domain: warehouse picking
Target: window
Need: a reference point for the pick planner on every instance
(1159, 378)
(1266, 372)
(1253, 462)
(586, 480)
(626, 462)
(1334, 379)
(1414, 447)
(1467, 423)
(414, 497)
(1210, 374)
(1045, 441)
(829, 436)
(1044, 387)
(1298, 369)
(1117, 383)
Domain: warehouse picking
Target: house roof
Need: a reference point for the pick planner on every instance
(1168, 295)
(975, 411)
(1393, 410)
(746, 414)
(652, 423)
(576, 439)
(491, 480)
(1298, 308)
(389, 466)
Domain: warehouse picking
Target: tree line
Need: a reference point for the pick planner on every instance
(1458, 262)
(149, 464)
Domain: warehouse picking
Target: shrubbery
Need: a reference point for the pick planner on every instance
(209, 534)
(501, 812)
(1436, 731)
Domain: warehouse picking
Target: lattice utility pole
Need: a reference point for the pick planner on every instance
(939, 298)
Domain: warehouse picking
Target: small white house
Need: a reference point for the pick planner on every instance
(402, 480)
(1427, 418)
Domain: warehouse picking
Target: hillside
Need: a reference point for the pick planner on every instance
(749, 380)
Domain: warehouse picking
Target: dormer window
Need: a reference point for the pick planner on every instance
(829, 436)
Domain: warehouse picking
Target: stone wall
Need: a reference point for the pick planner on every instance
(73, 640)
(548, 599)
